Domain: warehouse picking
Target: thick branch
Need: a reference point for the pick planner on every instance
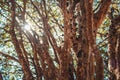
(100, 15)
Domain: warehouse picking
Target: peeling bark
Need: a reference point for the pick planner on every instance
(80, 38)
(113, 49)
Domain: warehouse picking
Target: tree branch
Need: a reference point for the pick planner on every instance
(100, 15)
(9, 57)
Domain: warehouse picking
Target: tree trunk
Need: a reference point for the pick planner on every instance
(114, 49)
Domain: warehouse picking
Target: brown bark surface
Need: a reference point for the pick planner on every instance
(78, 58)
(113, 49)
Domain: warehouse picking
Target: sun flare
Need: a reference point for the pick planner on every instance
(27, 27)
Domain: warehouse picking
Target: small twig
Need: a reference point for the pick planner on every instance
(9, 57)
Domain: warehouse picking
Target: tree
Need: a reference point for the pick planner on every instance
(56, 39)
(113, 49)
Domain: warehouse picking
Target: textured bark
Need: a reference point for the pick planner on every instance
(118, 57)
(92, 22)
(98, 19)
(113, 49)
(82, 67)
(101, 13)
(99, 66)
(65, 51)
(80, 25)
